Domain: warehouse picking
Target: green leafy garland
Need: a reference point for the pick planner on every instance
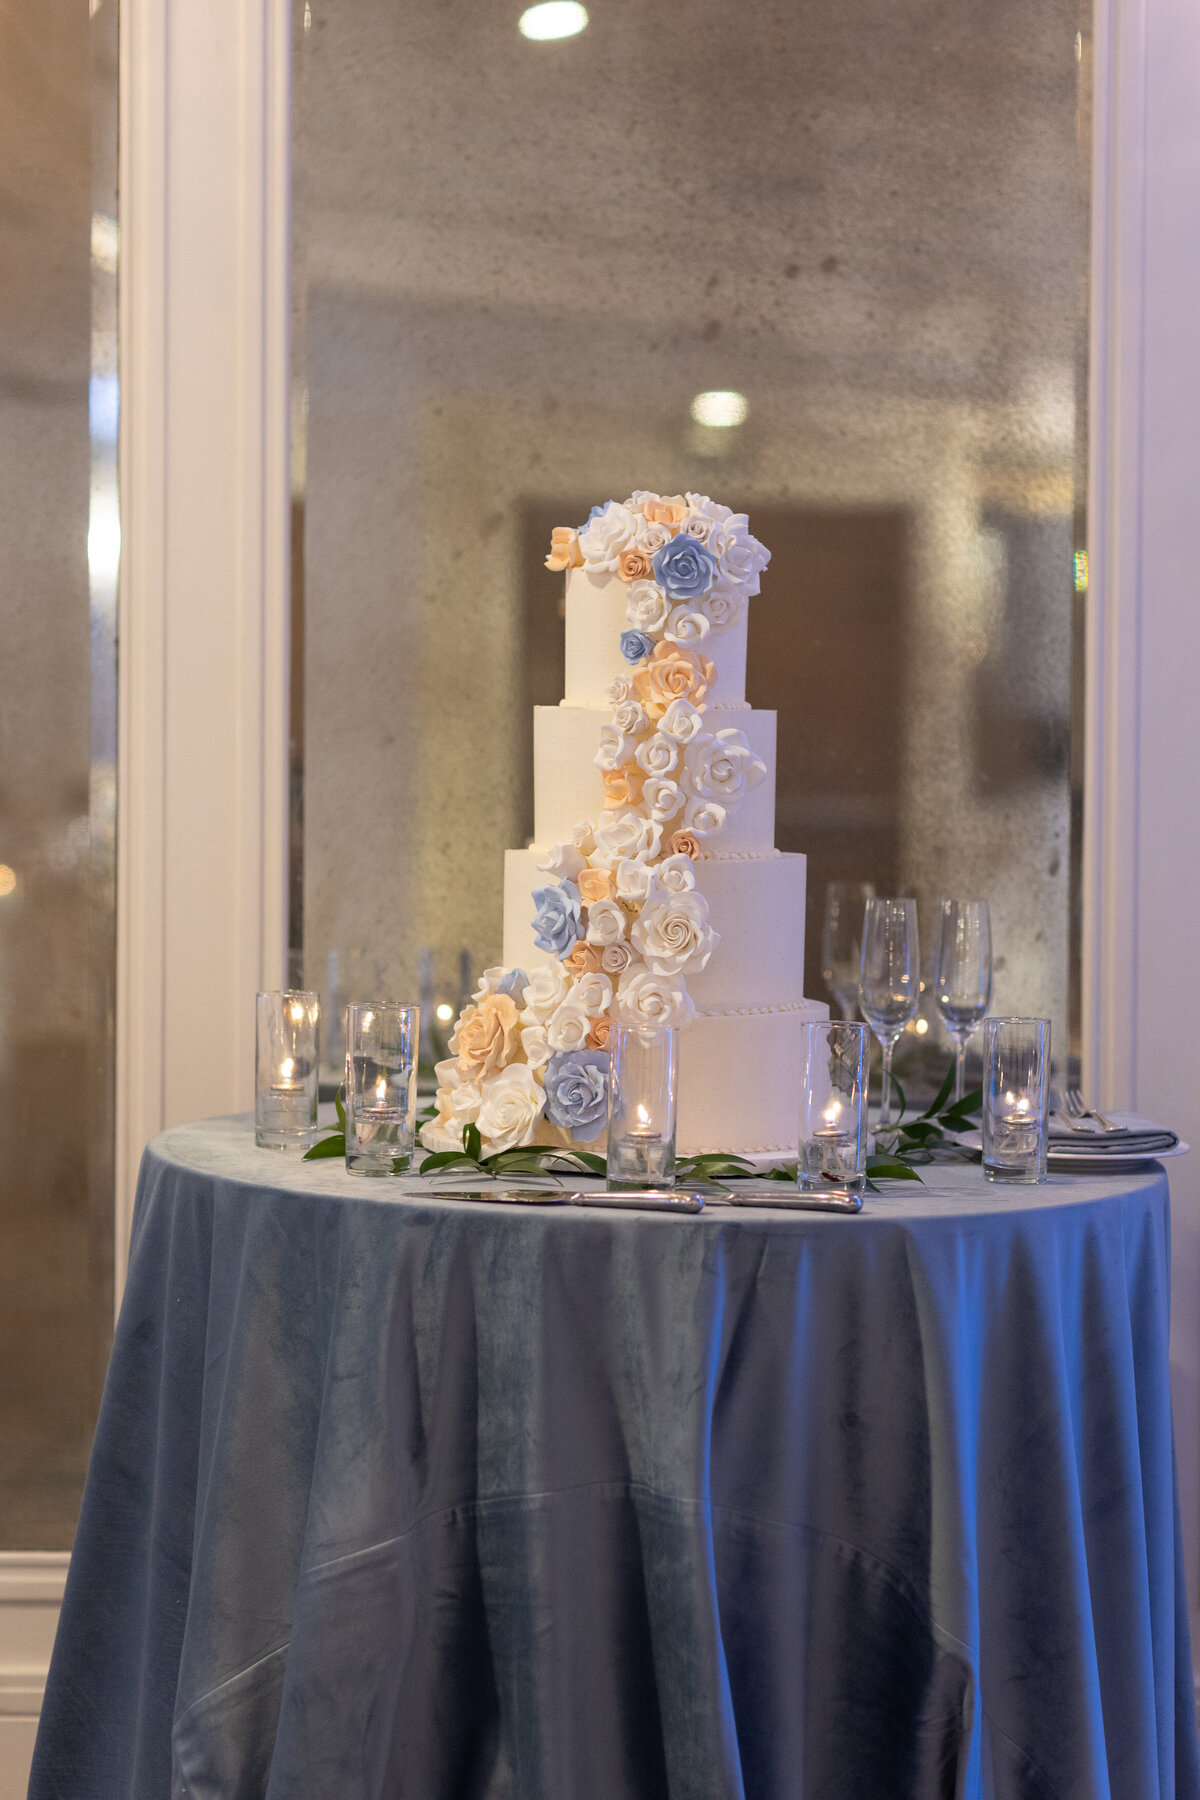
(903, 1147)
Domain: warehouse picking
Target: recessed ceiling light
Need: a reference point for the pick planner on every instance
(720, 406)
(553, 19)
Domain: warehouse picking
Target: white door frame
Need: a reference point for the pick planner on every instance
(1141, 899)
(204, 623)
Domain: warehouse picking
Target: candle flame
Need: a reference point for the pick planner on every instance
(832, 1113)
(297, 1011)
(643, 1117)
(381, 1090)
(286, 1068)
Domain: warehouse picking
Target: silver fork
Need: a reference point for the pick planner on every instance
(1062, 1111)
(1072, 1100)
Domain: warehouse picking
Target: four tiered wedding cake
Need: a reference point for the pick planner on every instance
(653, 893)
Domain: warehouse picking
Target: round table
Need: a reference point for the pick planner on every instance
(395, 1496)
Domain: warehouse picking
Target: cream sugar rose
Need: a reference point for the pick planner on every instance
(653, 893)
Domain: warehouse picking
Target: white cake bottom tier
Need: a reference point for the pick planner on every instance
(739, 1080)
(567, 783)
(595, 620)
(755, 903)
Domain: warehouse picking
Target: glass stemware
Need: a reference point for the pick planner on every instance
(889, 982)
(963, 981)
(841, 940)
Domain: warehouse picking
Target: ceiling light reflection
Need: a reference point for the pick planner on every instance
(553, 19)
(720, 407)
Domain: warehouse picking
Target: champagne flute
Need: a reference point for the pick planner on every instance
(841, 940)
(963, 982)
(889, 982)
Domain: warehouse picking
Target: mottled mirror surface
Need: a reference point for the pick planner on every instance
(59, 541)
(517, 263)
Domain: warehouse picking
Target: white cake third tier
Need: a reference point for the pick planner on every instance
(653, 893)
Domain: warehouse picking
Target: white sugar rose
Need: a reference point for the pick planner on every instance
(658, 1001)
(722, 766)
(682, 721)
(703, 818)
(630, 718)
(724, 607)
(512, 1104)
(547, 989)
(583, 836)
(535, 1046)
(563, 861)
(458, 1094)
(708, 509)
(672, 933)
(605, 923)
(458, 1101)
(615, 958)
(568, 1025)
(652, 537)
(697, 526)
(674, 875)
(662, 798)
(640, 498)
(741, 557)
(633, 879)
(436, 1136)
(593, 993)
(615, 748)
(646, 606)
(684, 626)
(489, 983)
(619, 690)
(605, 536)
(626, 835)
(658, 755)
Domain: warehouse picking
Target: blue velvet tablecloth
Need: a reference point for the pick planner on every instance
(395, 1498)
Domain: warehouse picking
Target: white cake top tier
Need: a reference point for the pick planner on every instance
(653, 576)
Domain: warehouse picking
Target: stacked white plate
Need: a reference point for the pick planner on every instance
(1138, 1142)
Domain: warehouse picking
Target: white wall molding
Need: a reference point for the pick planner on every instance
(1142, 835)
(31, 1589)
(202, 765)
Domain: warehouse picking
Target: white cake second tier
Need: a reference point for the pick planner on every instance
(567, 785)
(755, 903)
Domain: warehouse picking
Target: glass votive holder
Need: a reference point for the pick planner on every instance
(642, 1075)
(1016, 1091)
(286, 1059)
(382, 1040)
(832, 1157)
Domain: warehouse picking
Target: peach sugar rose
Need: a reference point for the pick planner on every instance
(564, 549)
(583, 960)
(486, 1035)
(635, 565)
(670, 510)
(594, 884)
(599, 1034)
(622, 787)
(685, 843)
(673, 673)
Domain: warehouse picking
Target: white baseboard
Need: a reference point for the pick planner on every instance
(31, 1591)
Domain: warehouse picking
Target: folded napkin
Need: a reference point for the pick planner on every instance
(1136, 1137)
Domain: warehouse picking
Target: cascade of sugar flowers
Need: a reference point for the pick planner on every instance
(622, 912)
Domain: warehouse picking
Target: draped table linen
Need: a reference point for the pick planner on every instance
(394, 1497)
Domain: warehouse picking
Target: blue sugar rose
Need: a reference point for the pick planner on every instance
(556, 924)
(577, 1092)
(684, 569)
(635, 645)
(514, 985)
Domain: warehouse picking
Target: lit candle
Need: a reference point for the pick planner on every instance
(288, 1081)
